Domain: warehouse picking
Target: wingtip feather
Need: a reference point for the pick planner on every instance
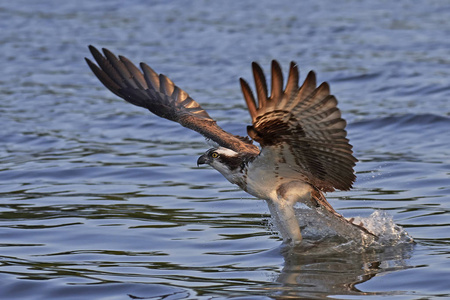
(249, 98)
(260, 84)
(292, 81)
(277, 82)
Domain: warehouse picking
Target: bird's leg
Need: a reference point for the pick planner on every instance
(281, 206)
(286, 221)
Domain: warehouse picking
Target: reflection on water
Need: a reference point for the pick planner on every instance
(337, 272)
(332, 261)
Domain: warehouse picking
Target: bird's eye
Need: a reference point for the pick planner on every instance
(214, 155)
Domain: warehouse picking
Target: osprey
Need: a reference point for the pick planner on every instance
(303, 149)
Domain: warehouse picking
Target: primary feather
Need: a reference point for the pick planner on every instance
(161, 96)
(306, 121)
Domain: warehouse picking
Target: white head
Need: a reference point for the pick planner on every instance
(224, 160)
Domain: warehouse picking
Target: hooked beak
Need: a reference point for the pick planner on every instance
(202, 160)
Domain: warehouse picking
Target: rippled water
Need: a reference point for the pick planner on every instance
(101, 200)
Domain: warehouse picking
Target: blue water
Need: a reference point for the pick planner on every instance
(101, 200)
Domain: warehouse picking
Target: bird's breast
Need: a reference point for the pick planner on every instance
(261, 180)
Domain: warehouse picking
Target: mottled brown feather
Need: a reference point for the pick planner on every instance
(162, 97)
(307, 121)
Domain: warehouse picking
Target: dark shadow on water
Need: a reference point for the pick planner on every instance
(181, 294)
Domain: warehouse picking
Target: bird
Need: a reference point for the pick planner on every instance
(303, 149)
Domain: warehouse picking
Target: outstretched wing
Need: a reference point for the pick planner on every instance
(162, 97)
(302, 127)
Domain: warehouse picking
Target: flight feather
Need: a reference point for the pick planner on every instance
(303, 123)
(161, 96)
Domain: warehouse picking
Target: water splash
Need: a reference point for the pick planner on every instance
(382, 225)
(319, 228)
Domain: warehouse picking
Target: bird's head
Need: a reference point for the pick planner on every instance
(226, 161)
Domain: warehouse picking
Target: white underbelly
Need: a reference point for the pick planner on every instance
(262, 181)
(266, 174)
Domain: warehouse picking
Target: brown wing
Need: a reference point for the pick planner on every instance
(161, 96)
(302, 126)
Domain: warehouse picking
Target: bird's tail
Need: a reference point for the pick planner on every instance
(319, 198)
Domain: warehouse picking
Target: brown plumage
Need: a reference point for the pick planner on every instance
(162, 97)
(307, 121)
